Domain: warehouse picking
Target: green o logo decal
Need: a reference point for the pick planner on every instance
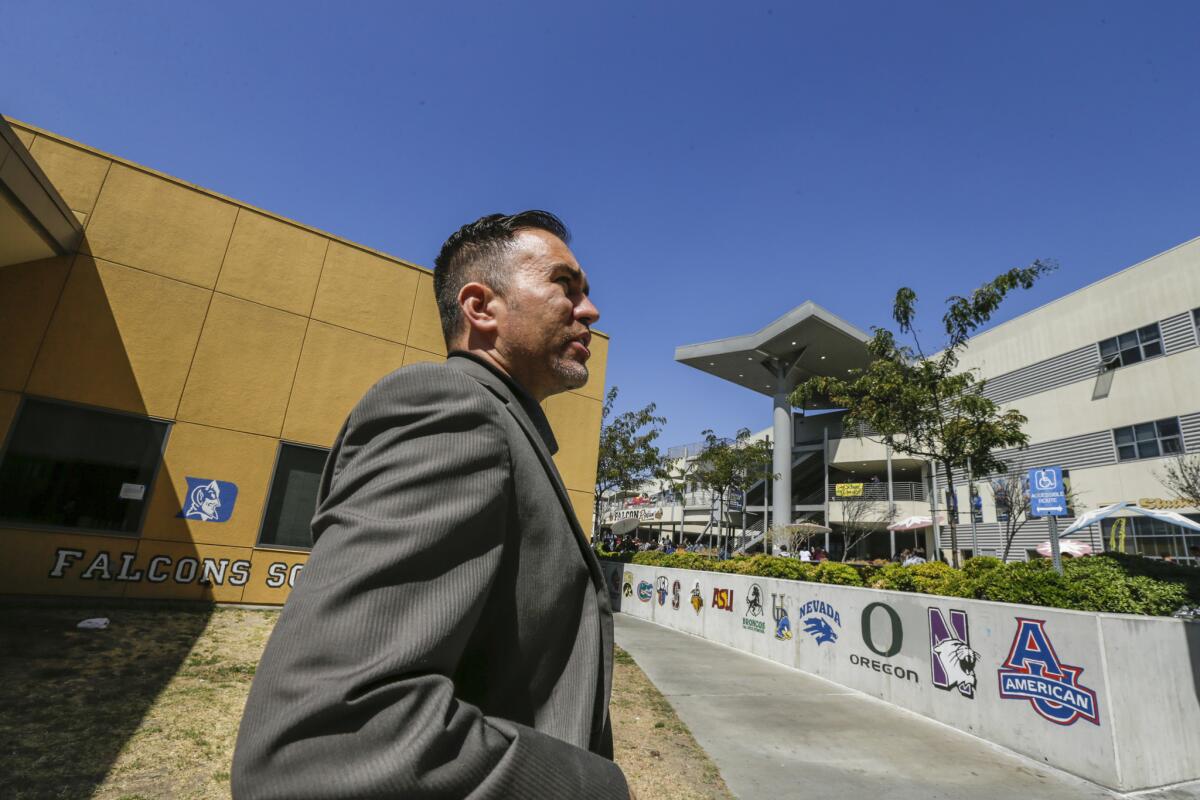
(897, 630)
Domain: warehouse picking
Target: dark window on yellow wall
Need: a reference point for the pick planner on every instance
(293, 497)
(73, 467)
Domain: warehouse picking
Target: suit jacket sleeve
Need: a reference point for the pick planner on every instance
(353, 697)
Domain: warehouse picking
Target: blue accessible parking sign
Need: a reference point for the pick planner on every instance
(1047, 497)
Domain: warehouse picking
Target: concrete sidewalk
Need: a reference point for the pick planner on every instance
(775, 732)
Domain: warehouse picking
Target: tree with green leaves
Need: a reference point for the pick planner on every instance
(628, 456)
(727, 466)
(922, 404)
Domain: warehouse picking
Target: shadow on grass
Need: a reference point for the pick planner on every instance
(70, 699)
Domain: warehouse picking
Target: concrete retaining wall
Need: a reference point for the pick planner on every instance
(1112, 698)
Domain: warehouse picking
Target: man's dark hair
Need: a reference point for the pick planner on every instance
(475, 254)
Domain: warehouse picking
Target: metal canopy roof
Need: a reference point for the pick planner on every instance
(805, 342)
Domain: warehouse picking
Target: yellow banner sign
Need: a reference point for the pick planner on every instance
(1160, 503)
(849, 489)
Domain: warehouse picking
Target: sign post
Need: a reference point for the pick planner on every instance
(1048, 499)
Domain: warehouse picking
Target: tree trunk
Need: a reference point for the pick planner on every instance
(596, 518)
(952, 515)
(720, 522)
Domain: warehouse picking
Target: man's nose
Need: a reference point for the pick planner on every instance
(586, 312)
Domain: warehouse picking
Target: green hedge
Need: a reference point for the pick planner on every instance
(1112, 582)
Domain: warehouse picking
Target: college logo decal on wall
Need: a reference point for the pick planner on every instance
(627, 586)
(209, 500)
(783, 624)
(645, 591)
(950, 655)
(675, 590)
(869, 636)
(1034, 672)
(817, 617)
(697, 598)
(754, 608)
(723, 599)
(662, 590)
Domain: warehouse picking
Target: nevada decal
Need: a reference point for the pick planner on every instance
(1034, 672)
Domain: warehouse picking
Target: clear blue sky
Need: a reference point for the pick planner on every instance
(719, 163)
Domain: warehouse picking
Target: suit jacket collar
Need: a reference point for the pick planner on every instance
(497, 379)
(537, 429)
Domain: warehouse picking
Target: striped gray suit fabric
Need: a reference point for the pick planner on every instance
(451, 634)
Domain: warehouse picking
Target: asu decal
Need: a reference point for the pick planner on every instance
(950, 655)
(627, 585)
(697, 598)
(645, 591)
(661, 589)
(723, 599)
(1034, 672)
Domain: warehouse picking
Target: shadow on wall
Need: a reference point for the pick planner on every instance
(85, 693)
(1191, 631)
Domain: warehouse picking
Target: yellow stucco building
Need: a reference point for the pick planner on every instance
(175, 365)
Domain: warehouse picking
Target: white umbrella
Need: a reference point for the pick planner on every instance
(810, 528)
(1092, 517)
(1067, 548)
(912, 524)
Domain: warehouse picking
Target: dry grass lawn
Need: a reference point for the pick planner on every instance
(149, 708)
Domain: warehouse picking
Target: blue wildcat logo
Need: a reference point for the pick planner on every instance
(819, 618)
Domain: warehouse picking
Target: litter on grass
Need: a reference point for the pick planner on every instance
(94, 624)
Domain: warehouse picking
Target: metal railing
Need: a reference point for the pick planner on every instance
(693, 449)
(901, 491)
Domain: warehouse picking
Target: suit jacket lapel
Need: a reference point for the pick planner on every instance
(514, 406)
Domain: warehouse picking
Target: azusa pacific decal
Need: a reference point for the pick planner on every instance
(1034, 672)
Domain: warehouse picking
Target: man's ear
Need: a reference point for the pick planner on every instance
(478, 305)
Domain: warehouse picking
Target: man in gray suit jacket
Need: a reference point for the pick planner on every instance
(451, 635)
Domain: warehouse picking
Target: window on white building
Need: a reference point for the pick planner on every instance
(1148, 440)
(1132, 347)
